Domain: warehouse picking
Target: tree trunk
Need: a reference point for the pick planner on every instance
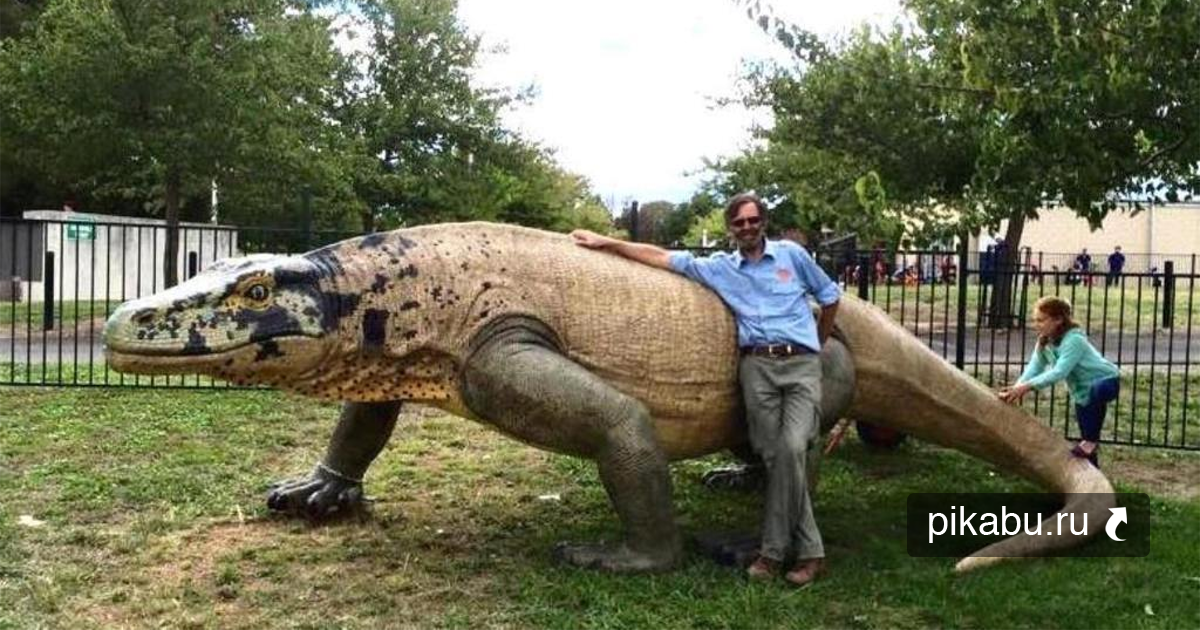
(1000, 311)
(171, 244)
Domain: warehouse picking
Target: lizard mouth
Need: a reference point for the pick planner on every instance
(158, 360)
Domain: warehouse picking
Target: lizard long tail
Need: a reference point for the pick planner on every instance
(902, 384)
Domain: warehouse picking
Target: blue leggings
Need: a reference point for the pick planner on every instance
(1091, 416)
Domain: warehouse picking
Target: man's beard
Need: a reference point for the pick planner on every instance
(750, 245)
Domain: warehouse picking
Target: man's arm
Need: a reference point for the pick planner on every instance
(825, 323)
(824, 289)
(641, 252)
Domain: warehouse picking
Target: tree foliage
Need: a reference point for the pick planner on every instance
(986, 113)
(138, 106)
(992, 110)
(112, 94)
(1084, 102)
(707, 230)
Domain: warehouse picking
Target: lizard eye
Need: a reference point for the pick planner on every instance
(257, 293)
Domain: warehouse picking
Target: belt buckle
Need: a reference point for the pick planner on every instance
(776, 351)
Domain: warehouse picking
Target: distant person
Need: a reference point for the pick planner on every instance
(987, 265)
(949, 269)
(1083, 264)
(1000, 262)
(1063, 352)
(1116, 263)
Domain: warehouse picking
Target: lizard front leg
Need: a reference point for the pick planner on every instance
(335, 485)
(528, 389)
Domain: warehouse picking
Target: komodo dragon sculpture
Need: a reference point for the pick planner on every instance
(570, 350)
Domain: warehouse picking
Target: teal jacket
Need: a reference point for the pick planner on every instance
(1073, 359)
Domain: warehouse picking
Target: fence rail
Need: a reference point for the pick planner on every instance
(59, 281)
(1145, 322)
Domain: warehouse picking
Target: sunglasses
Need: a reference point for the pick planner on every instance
(750, 221)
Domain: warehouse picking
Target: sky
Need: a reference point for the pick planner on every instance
(625, 89)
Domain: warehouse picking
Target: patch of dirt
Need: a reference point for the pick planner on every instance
(181, 578)
(1161, 473)
(194, 554)
(185, 559)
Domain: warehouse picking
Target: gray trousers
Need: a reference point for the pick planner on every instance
(783, 407)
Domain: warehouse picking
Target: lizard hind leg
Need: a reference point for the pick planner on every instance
(519, 383)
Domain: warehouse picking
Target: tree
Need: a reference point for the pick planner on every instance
(676, 225)
(150, 103)
(112, 94)
(860, 144)
(19, 186)
(1091, 104)
(424, 132)
(529, 188)
(17, 15)
(707, 230)
(651, 217)
(994, 111)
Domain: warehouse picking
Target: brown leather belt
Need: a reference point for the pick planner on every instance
(776, 351)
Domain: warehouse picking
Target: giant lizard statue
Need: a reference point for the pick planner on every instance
(567, 349)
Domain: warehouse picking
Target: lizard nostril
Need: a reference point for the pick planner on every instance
(144, 317)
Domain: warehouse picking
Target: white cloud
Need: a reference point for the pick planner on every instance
(626, 86)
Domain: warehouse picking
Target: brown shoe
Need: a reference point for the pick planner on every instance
(763, 568)
(805, 572)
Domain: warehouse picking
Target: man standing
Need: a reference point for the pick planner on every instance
(1116, 262)
(1083, 264)
(766, 283)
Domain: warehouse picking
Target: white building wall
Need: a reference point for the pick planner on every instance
(123, 260)
(1149, 238)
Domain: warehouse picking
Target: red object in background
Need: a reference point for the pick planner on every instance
(879, 437)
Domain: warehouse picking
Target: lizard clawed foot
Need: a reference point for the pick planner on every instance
(317, 496)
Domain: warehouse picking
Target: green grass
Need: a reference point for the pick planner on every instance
(28, 316)
(1160, 408)
(153, 512)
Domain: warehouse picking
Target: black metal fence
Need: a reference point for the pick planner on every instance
(1145, 322)
(59, 281)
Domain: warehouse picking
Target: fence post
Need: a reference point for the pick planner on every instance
(960, 332)
(48, 293)
(193, 265)
(1023, 273)
(1041, 275)
(1168, 315)
(633, 221)
(864, 277)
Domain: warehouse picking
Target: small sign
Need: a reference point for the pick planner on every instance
(81, 231)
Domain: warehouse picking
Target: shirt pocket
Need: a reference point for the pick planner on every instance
(784, 281)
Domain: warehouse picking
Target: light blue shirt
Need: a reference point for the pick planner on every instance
(1074, 360)
(769, 297)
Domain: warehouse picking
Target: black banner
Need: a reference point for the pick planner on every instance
(955, 525)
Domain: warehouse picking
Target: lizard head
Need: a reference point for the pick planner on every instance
(259, 319)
